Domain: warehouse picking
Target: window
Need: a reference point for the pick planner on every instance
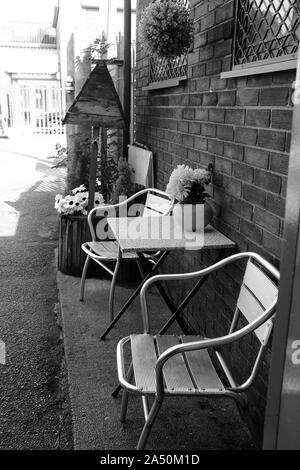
(166, 72)
(265, 36)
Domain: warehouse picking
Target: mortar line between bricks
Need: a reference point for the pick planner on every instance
(286, 131)
(259, 246)
(218, 107)
(245, 146)
(256, 223)
(206, 151)
(283, 151)
(216, 26)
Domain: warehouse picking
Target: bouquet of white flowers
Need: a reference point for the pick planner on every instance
(188, 185)
(77, 202)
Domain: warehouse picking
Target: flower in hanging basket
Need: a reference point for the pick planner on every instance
(166, 29)
(188, 185)
(77, 202)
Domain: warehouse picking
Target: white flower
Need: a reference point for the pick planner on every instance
(179, 183)
(201, 176)
(183, 178)
(68, 205)
(77, 202)
(99, 199)
(58, 199)
(83, 198)
(79, 189)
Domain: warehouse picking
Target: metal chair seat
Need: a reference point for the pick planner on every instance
(189, 373)
(107, 250)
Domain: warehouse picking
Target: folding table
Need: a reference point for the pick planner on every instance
(151, 234)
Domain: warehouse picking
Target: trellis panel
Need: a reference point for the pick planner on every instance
(265, 29)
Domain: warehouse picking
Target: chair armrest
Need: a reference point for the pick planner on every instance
(195, 275)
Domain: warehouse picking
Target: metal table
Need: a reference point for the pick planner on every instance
(150, 234)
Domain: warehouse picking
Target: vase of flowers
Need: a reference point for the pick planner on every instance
(193, 208)
(166, 28)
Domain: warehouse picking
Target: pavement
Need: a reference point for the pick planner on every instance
(183, 424)
(34, 408)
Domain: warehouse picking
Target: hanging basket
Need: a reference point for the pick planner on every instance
(166, 29)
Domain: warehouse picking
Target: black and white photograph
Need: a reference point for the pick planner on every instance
(149, 229)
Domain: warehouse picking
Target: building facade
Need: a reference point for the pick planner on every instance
(229, 103)
(30, 90)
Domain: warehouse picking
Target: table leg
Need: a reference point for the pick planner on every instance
(160, 288)
(188, 298)
(133, 296)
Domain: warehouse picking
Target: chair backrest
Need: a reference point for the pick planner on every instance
(157, 204)
(257, 294)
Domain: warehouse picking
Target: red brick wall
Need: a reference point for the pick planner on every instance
(241, 125)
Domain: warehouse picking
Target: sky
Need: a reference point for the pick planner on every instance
(27, 10)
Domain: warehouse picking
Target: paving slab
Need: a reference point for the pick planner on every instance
(183, 424)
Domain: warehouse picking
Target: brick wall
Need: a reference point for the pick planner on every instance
(241, 125)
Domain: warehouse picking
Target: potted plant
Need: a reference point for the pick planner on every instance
(113, 182)
(166, 29)
(73, 228)
(187, 187)
(124, 185)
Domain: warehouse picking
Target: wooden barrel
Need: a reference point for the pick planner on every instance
(73, 232)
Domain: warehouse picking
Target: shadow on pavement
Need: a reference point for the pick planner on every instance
(34, 405)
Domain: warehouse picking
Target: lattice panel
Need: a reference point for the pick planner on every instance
(165, 68)
(265, 29)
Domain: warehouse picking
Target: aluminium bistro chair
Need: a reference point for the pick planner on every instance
(166, 365)
(158, 203)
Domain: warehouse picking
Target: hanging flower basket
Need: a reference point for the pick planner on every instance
(166, 29)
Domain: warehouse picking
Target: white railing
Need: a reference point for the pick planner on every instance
(48, 123)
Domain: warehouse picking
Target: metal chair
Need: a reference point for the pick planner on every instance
(166, 365)
(157, 203)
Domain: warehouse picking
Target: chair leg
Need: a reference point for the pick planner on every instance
(149, 423)
(125, 396)
(112, 291)
(141, 270)
(83, 276)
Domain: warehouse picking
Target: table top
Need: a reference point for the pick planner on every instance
(141, 234)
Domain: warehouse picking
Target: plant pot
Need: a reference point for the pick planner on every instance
(193, 217)
(73, 232)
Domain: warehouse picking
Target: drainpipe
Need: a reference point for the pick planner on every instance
(127, 74)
